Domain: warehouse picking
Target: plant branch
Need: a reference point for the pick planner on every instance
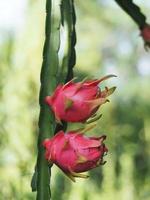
(41, 177)
(69, 58)
(133, 11)
(51, 76)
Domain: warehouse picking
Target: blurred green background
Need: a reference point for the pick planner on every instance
(108, 42)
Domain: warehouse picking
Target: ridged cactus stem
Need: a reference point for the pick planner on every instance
(133, 11)
(68, 20)
(68, 23)
(57, 11)
(49, 72)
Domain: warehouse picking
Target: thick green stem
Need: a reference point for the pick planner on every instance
(48, 84)
(50, 77)
(68, 23)
(133, 10)
(68, 20)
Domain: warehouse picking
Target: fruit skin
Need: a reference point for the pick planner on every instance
(145, 33)
(76, 102)
(73, 152)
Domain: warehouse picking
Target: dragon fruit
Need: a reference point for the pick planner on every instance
(74, 153)
(77, 102)
(145, 33)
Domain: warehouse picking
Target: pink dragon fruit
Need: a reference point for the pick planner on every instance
(76, 102)
(145, 33)
(73, 152)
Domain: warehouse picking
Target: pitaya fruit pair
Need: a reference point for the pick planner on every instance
(76, 102)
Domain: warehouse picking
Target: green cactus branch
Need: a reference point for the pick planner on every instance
(71, 21)
(68, 23)
(57, 11)
(41, 178)
(133, 11)
(68, 20)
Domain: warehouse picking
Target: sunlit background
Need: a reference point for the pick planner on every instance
(108, 41)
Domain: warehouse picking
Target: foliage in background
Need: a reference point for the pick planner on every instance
(105, 45)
